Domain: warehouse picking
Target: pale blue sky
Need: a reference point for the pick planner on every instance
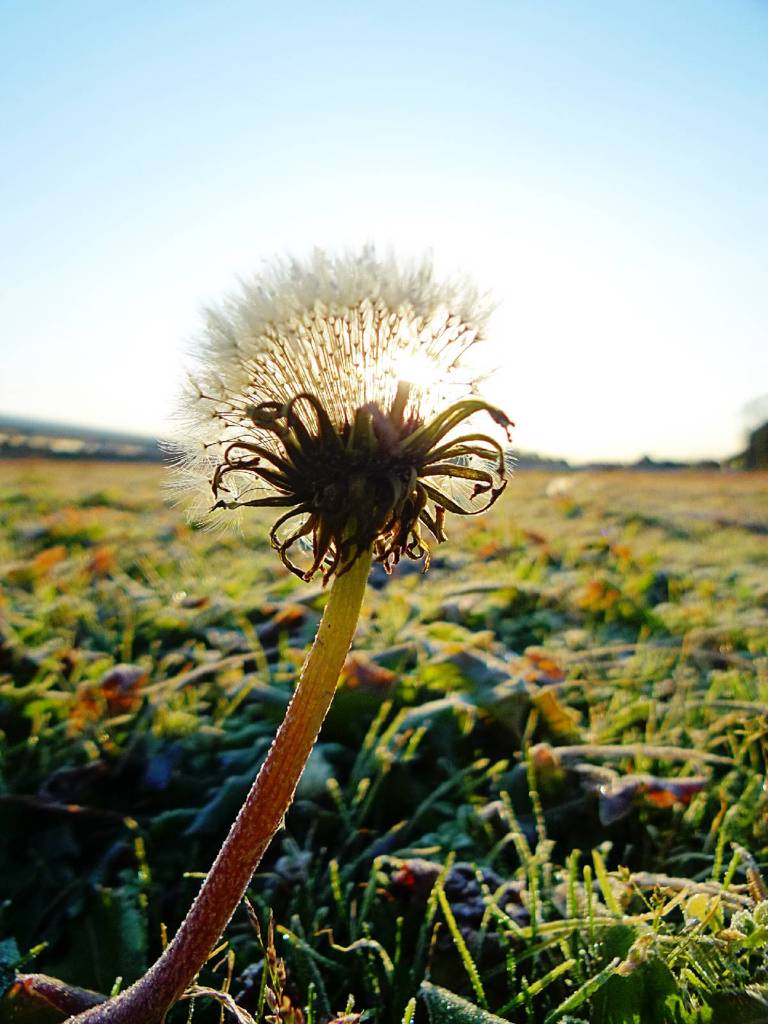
(600, 166)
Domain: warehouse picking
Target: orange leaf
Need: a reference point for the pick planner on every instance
(43, 563)
(102, 561)
(360, 672)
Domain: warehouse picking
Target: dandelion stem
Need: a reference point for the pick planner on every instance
(148, 1000)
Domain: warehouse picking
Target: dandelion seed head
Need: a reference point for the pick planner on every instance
(319, 390)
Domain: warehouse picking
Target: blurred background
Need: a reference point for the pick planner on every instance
(599, 167)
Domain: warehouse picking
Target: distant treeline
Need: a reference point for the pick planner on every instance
(755, 455)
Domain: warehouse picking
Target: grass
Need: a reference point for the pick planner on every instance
(539, 795)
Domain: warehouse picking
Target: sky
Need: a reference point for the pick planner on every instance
(599, 167)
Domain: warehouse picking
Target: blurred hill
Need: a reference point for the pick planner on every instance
(26, 438)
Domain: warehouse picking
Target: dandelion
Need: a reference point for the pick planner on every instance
(338, 392)
(324, 393)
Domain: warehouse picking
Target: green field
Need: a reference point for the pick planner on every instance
(539, 796)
